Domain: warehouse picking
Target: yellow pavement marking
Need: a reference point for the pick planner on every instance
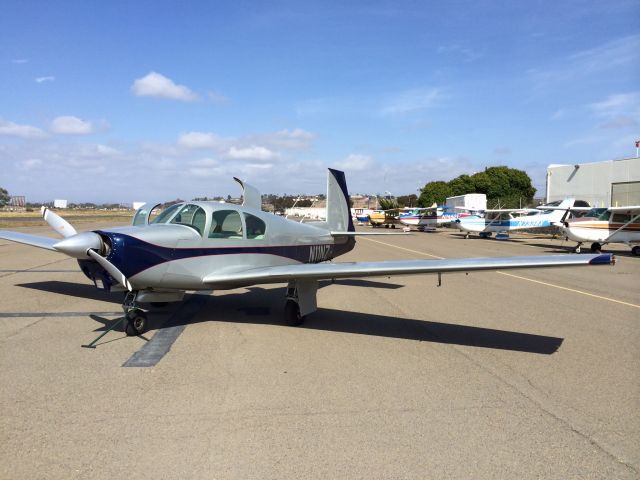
(518, 276)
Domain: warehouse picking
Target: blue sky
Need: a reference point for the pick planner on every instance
(123, 101)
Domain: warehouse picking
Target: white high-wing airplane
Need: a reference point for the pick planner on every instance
(503, 220)
(613, 225)
(206, 245)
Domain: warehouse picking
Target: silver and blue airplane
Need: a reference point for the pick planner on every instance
(194, 246)
(504, 220)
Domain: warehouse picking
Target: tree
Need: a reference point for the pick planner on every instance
(510, 186)
(462, 185)
(408, 200)
(434, 192)
(387, 203)
(4, 197)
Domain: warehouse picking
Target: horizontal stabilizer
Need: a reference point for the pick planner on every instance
(33, 240)
(321, 271)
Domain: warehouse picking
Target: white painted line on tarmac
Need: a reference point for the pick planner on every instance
(600, 297)
(571, 290)
(402, 248)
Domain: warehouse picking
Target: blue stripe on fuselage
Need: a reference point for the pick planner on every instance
(132, 255)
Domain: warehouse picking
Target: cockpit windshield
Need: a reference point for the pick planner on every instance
(604, 216)
(167, 213)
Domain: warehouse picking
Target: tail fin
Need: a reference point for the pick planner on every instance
(562, 210)
(338, 204)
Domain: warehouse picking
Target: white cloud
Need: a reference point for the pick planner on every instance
(11, 129)
(29, 164)
(197, 140)
(70, 125)
(217, 98)
(204, 162)
(157, 85)
(49, 78)
(411, 100)
(20, 60)
(356, 162)
(467, 54)
(618, 111)
(616, 55)
(251, 153)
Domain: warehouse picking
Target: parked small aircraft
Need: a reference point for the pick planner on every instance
(220, 246)
(504, 220)
(602, 226)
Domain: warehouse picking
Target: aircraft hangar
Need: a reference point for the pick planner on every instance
(610, 182)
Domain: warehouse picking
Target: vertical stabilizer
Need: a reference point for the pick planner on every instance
(250, 194)
(338, 204)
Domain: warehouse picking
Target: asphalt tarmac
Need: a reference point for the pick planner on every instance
(518, 374)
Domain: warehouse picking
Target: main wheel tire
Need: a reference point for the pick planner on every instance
(292, 316)
(596, 247)
(636, 250)
(136, 323)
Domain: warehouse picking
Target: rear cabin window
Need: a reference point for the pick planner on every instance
(225, 224)
(255, 226)
(620, 218)
(192, 216)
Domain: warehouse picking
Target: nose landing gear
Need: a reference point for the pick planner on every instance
(135, 317)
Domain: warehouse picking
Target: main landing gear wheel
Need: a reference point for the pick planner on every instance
(636, 250)
(292, 316)
(596, 247)
(136, 322)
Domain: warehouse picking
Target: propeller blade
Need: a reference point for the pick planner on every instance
(111, 268)
(58, 223)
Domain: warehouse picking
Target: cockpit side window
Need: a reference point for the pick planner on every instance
(604, 216)
(192, 216)
(255, 227)
(225, 224)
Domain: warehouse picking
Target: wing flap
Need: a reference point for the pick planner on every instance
(33, 240)
(320, 271)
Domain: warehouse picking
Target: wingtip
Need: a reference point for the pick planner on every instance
(603, 259)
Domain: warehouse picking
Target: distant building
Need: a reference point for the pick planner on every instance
(612, 182)
(60, 203)
(17, 201)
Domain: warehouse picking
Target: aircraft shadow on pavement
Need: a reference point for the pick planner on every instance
(264, 307)
(71, 289)
(358, 282)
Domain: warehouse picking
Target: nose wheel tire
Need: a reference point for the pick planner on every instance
(292, 317)
(136, 322)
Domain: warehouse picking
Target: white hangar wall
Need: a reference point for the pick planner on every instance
(612, 182)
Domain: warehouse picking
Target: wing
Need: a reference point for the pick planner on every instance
(33, 240)
(633, 208)
(320, 271)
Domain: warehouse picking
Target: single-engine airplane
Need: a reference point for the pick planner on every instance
(504, 220)
(207, 245)
(602, 226)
